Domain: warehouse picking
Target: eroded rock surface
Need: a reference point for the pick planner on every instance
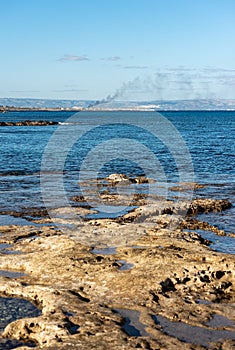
(173, 275)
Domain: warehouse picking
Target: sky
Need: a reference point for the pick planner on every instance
(126, 49)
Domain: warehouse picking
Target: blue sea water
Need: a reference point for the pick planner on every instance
(209, 138)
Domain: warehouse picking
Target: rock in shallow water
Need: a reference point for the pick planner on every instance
(29, 123)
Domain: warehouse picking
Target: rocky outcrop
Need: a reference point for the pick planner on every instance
(89, 302)
(199, 206)
(122, 178)
(29, 123)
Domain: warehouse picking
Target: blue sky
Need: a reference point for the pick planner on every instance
(136, 49)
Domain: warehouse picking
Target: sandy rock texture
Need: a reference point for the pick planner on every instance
(161, 286)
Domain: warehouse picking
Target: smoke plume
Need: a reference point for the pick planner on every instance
(171, 84)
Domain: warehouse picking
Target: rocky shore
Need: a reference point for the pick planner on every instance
(29, 123)
(156, 285)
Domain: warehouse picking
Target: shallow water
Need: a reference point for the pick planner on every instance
(4, 246)
(219, 321)
(132, 325)
(12, 309)
(104, 251)
(5, 249)
(224, 220)
(209, 137)
(11, 274)
(107, 215)
(204, 302)
(7, 344)
(222, 244)
(125, 265)
(193, 334)
(12, 220)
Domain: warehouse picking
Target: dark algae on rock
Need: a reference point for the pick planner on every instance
(29, 123)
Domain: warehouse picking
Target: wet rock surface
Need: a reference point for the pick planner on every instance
(174, 283)
(199, 206)
(122, 178)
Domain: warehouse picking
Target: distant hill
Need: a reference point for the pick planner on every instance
(42, 103)
(173, 105)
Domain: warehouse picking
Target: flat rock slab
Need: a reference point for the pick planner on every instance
(174, 275)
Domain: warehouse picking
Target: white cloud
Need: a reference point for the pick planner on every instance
(74, 58)
(136, 67)
(20, 91)
(70, 90)
(114, 58)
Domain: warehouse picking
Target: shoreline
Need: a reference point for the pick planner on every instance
(135, 294)
(4, 109)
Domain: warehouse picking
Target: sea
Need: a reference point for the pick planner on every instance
(172, 147)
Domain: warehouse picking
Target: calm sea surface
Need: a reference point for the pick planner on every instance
(209, 138)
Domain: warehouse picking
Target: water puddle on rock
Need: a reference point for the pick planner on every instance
(132, 326)
(193, 334)
(219, 321)
(125, 265)
(119, 212)
(4, 246)
(12, 309)
(4, 249)
(7, 344)
(138, 247)
(104, 251)
(203, 302)
(11, 274)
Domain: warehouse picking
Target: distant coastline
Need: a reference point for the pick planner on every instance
(27, 104)
(4, 109)
(35, 109)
